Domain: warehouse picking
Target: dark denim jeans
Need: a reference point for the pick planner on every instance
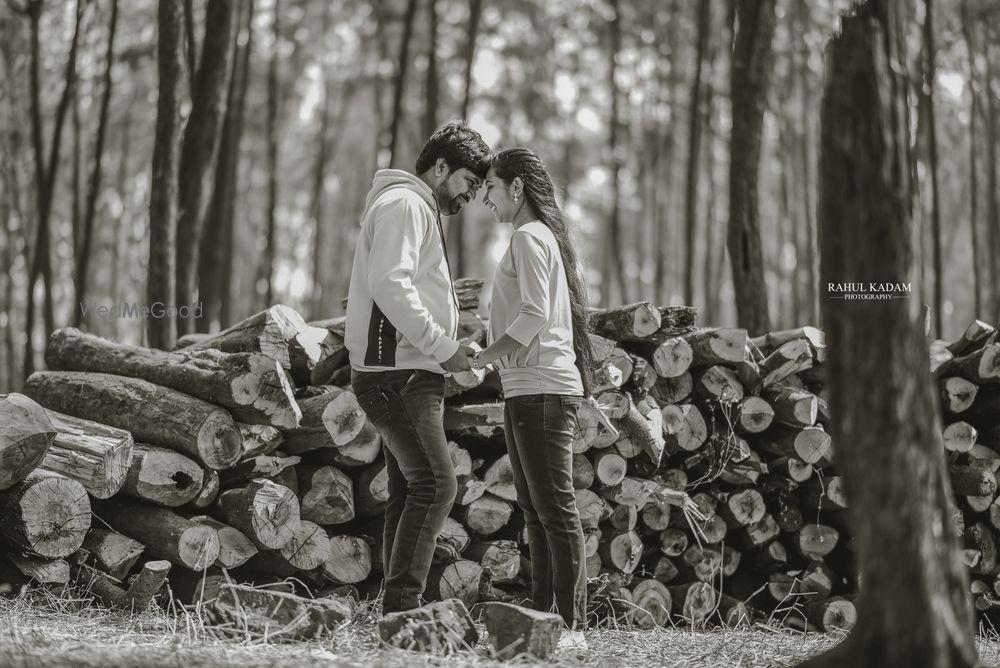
(407, 408)
(539, 431)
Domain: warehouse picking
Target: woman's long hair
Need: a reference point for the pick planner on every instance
(540, 195)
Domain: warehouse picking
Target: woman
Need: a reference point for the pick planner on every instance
(539, 343)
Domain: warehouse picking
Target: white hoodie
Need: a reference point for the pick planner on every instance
(402, 311)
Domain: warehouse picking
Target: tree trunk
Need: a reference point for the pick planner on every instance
(865, 233)
(152, 413)
(614, 261)
(928, 101)
(94, 189)
(217, 242)
(752, 56)
(401, 70)
(993, 202)
(266, 269)
(974, 110)
(161, 279)
(45, 175)
(694, 150)
(431, 82)
(200, 148)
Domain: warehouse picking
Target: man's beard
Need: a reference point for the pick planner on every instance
(449, 204)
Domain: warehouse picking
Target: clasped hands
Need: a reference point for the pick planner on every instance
(461, 360)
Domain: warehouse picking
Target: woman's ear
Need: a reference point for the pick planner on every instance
(516, 187)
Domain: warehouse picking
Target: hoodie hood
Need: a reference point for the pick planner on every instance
(387, 179)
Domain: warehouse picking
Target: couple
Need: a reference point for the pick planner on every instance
(402, 318)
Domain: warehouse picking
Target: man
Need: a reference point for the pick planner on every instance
(402, 319)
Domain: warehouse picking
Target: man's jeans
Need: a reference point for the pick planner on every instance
(407, 408)
(539, 431)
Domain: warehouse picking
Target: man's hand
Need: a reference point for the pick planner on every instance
(459, 361)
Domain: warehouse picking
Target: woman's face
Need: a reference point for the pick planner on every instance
(498, 198)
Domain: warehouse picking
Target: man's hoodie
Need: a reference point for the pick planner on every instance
(402, 312)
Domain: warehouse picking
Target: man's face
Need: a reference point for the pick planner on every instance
(458, 189)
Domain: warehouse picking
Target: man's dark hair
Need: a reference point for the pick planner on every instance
(460, 146)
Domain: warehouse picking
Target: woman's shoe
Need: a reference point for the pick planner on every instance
(572, 640)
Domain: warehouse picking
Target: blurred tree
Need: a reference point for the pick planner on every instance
(927, 97)
(751, 66)
(694, 149)
(402, 68)
(161, 283)
(202, 135)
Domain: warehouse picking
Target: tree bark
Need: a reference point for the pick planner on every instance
(161, 280)
(94, 188)
(865, 232)
(403, 68)
(974, 110)
(266, 269)
(614, 262)
(431, 83)
(45, 174)
(202, 135)
(932, 158)
(217, 241)
(751, 66)
(694, 150)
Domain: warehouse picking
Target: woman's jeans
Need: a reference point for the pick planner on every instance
(539, 431)
(407, 408)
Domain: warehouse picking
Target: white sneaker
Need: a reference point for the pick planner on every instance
(572, 640)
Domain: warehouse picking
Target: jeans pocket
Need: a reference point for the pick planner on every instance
(375, 403)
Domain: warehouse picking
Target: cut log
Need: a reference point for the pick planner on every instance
(486, 515)
(361, 450)
(470, 488)
(664, 571)
(53, 574)
(824, 493)
(461, 460)
(499, 479)
(718, 383)
(693, 602)
(501, 557)
(235, 549)
(162, 477)
(440, 628)
(305, 350)
(789, 358)
(958, 394)
(621, 550)
(329, 420)
(754, 415)
(972, 479)
(46, 514)
(452, 541)
(95, 455)
(268, 332)
(959, 437)
(643, 424)
(673, 390)
(27, 435)
(975, 336)
(350, 559)
(457, 579)
(758, 534)
(308, 549)
(832, 614)
(333, 355)
(140, 592)
(592, 508)
(165, 533)
(609, 467)
(208, 492)
(259, 439)
(654, 603)
(643, 376)
(371, 490)
(793, 407)
(260, 466)
(263, 510)
(768, 343)
(743, 508)
(326, 494)
(252, 386)
(673, 542)
(717, 346)
(583, 472)
(711, 531)
(793, 468)
(624, 517)
(815, 541)
(684, 427)
(277, 615)
(111, 552)
(980, 537)
(593, 428)
(480, 418)
(980, 367)
(631, 490)
(613, 404)
(672, 358)
(809, 444)
(701, 563)
(516, 631)
(733, 613)
(154, 414)
(633, 322)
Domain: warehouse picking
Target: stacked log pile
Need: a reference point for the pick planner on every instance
(703, 467)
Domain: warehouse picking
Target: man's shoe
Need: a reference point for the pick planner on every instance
(572, 640)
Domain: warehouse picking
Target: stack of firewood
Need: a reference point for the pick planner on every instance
(703, 468)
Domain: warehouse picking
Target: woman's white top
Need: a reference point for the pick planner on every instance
(530, 302)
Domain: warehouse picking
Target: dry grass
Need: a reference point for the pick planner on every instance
(37, 629)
